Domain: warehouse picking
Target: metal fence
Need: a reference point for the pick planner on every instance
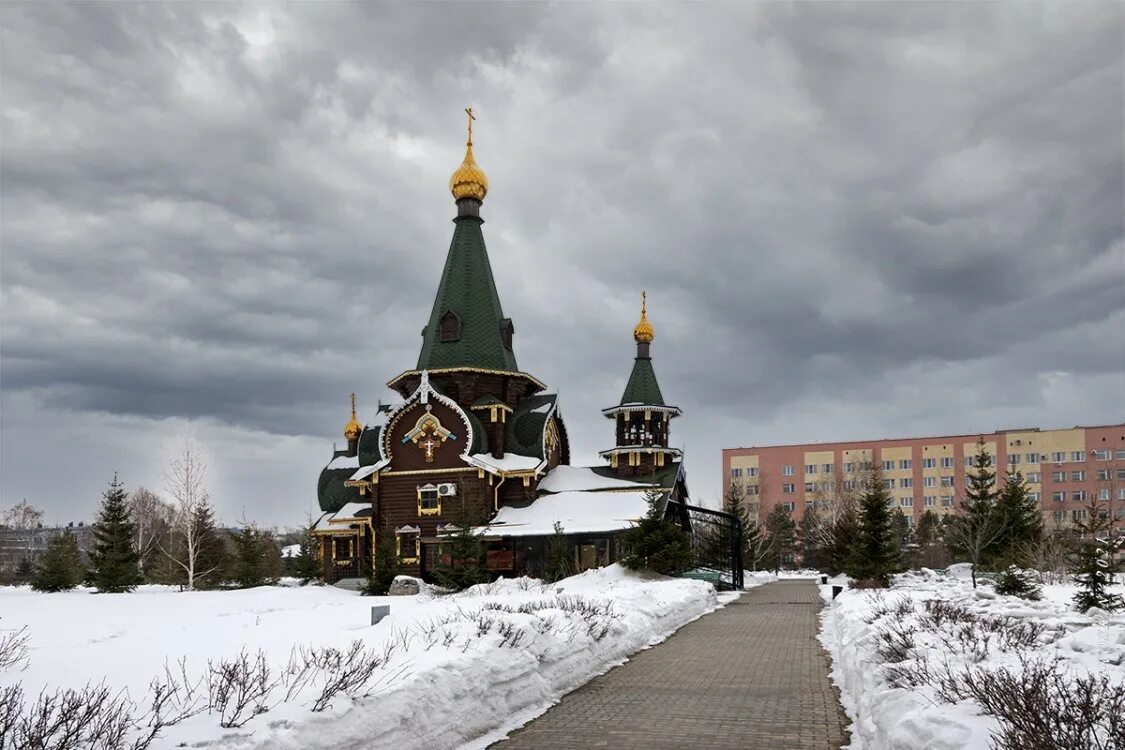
(716, 543)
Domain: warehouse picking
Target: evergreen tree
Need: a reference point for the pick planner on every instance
(972, 535)
(61, 566)
(1016, 582)
(115, 563)
(834, 555)
(656, 543)
(462, 562)
(755, 543)
(1093, 562)
(211, 555)
(781, 531)
(874, 553)
(1020, 519)
(305, 565)
(25, 570)
(931, 549)
(256, 559)
(384, 567)
(560, 556)
(808, 533)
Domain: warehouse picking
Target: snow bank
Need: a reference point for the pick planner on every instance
(886, 717)
(435, 693)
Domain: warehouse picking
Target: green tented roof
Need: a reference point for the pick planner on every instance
(642, 387)
(468, 290)
(524, 434)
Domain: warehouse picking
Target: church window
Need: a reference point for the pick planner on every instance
(429, 501)
(506, 332)
(342, 548)
(450, 327)
(407, 543)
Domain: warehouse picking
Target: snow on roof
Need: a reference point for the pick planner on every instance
(581, 478)
(543, 408)
(344, 462)
(578, 512)
(367, 471)
(510, 462)
(291, 550)
(351, 510)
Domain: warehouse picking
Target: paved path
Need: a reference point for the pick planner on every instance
(751, 675)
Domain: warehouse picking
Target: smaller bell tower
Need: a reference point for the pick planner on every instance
(642, 420)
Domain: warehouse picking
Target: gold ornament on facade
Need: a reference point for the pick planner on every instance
(643, 333)
(469, 181)
(353, 428)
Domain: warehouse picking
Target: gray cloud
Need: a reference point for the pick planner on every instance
(853, 220)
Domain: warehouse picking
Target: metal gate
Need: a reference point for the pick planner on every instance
(716, 543)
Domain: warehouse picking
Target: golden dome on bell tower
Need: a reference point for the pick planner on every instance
(643, 333)
(469, 181)
(353, 428)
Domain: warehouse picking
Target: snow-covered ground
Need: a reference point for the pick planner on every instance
(890, 650)
(463, 668)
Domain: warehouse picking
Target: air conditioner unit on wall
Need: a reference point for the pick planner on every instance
(446, 489)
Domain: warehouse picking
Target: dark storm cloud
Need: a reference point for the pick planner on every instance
(852, 219)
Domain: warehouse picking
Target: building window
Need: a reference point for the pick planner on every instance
(449, 327)
(947, 501)
(1102, 455)
(1103, 494)
(787, 471)
(1034, 477)
(1121, 473)
(1078, 476)
(1121, 455)
(342, 548)
(827, 468)
(1102, 475)
(788, 489)
(929, 481)
(507, 330)
(407, 542)
(810, 468)
(1077, 456)
(929, 463)
(889, 484)
(752, 489)
(1078, 515)
(429, 500)
(906, 483)
(849, 467)
(1032, 458)
(1059, 516)
(1059, 496)
(947, 462)
(1034, 496)
(810, 487)
(906, 463)
(888, 466)
(1078, 496)
(1058, 456)
(752, 471)
(1013, 459)
(1058, 476)
(929, 501)
(947, 481)
(1121, 494)
(906, 502)
(735, 473)
(789, 505)
(849, 485)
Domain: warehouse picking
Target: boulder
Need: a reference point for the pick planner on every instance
(404, 586)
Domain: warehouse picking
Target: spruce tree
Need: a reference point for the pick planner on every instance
(254, 552)
(384, 567)
(834, 555)
(656, 543)
(1021, 583)
(808, 534)
(25, 570)
(305, 565)
(462, 562)
(1094, 564)
(60, 568)
(211, 555)
(560, 556)
(1020, 519)
(115, 563)
(874, 553)
(781, 531)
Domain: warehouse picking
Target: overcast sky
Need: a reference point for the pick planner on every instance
(853, 221)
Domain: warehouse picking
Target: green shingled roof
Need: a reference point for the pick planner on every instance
(642, 387)
(524, 434)
(468, 291)
(331, 492)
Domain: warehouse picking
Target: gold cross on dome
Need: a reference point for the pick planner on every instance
(469, 112)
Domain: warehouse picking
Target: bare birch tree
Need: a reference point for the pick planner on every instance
(23, 515)
(152, 517)
(185, 482)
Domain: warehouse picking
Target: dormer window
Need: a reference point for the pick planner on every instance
(507, 330)
(449, 328)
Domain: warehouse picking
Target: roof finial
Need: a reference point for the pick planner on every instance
(643, 333)
(469, 181)
(353, 428)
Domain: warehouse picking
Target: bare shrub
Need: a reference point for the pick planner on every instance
(240, 688)
(1040, 706)
(349, 672)
(13, 649)
(895, 641)
(937, 613)
(11, 703)
(910, 675)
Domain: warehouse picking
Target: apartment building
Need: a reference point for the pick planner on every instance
(1064, 468)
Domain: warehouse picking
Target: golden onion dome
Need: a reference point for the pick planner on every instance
(469, 181)
(353, 428)
(643, 333)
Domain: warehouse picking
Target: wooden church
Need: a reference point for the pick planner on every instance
(475, 440)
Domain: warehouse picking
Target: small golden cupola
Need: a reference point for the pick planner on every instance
(469, 181)
(353, 428)
(643, 332)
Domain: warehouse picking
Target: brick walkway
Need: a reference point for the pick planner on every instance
(751, 675)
